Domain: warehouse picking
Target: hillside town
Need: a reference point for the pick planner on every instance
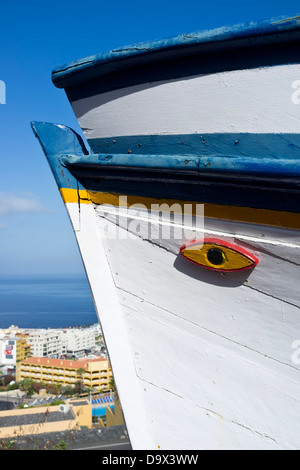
(65, 372)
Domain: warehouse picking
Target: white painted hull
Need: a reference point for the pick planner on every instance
(253, 101)
(202, 359)
(200, 363)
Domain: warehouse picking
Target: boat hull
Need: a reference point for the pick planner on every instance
(194, 141)
(210, 113)
(210, 354)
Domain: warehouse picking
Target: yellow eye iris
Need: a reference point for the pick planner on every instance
(218, 255)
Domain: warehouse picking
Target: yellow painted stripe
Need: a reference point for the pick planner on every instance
(74, 195)
(251, 215)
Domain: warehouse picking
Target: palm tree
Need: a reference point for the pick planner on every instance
(80, 373)
(112, 384)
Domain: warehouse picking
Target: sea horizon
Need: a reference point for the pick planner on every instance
(46, 301)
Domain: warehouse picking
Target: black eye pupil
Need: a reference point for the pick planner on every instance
(215, 256)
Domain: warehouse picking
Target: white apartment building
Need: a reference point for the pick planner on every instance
(47, 343)
(53, 343)
(79, 341)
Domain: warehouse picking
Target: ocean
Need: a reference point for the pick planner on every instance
(46, 302)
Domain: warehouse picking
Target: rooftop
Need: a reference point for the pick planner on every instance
(79, 364)
(45, 416)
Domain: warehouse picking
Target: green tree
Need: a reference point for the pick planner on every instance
(80, 373)
(112, 384)
(68, 390)
(54, 389)
(26, 385)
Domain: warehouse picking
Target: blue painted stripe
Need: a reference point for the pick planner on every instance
(210, 179)
(245, 182)
(279, 146)
(188, 164)
(257, 34)
(174, 67)
(57, 140)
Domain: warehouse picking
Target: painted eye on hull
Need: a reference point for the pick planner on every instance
(218, 255)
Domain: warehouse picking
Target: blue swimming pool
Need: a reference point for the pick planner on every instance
(101, 410)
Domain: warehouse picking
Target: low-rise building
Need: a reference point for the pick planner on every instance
(33, 421)
(94, 373)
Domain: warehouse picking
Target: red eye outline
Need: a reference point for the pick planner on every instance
(222, 244)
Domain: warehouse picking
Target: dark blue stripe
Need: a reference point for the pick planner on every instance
(278, 146)
(240, 191)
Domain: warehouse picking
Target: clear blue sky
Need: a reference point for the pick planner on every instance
(37, 36)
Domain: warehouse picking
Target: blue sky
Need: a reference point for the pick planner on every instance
(37, 36)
